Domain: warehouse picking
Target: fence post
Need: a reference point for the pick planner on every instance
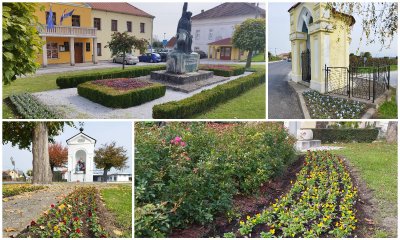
(348, 81)
(388, 85)
(326, 80)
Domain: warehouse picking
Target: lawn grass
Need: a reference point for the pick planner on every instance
(377, 163)
(393, 67)
(249, 105)
(256, 58)
(388, 109)
(10, 190)
(118, 200)
(37, 83)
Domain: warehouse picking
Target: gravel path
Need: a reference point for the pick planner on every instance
(73, 106)
(20, 210)
(322, 148)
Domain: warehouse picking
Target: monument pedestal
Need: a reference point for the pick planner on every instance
(184, 78)
(307, 144)
(179, 62)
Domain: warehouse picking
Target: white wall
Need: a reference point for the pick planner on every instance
(221, 28)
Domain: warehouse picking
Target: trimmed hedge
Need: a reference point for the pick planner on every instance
(74, 81)
(229, 72)
(110, 97)
(345, 135)
(29, 107)
(207, 99)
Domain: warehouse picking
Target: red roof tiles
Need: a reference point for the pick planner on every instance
(225, 41)
(119, 7)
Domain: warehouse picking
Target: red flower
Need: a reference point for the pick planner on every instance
(52, 205)
(78, 230)
(33, 223)
(90, 213)
(76, 219)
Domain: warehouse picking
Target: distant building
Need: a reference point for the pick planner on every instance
(13, 175)
(114, 177)
(213, 29)
(171, 43)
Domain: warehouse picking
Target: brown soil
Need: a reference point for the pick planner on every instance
(244, 206)
(251, 205)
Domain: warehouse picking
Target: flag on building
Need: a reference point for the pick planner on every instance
(65, 15)
(50, 23)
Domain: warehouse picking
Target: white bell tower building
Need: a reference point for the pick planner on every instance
(80, 158)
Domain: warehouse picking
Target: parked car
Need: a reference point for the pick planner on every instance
(129, 59)
(202, 54)
(150, 57)
(163, 55)
(289, 59)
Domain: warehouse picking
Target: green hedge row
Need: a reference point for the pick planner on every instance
(345, 135)
(74, 81)
(113, 98)
(207, 99)
(228, 72)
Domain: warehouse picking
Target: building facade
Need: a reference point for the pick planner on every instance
(108, 18)
(81, 36)
(70, 41)
(80, 158)
(218, 23)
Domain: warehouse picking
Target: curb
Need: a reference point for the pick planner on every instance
(304, 109)
(370, 112)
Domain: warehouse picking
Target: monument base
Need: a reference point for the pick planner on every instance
(307, 144)
(179, 62)
(181, 78)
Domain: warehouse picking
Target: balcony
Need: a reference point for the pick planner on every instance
(67, 31)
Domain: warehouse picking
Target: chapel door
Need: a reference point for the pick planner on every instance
(225, 53)
(78, 52)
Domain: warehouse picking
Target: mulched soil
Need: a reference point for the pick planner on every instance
(122, 83)
(251, 205)
(244, 205)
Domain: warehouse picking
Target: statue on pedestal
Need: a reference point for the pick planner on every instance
(183, 31)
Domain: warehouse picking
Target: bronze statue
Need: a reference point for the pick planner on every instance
(183, 31)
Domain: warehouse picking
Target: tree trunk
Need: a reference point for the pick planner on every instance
(249, 57)
(391, 134)
(123, 61)
(41, 163)
(104, 178)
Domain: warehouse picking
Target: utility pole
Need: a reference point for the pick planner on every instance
(275, 53)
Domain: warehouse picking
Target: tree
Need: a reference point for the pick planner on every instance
(58, 155)
(123, 43)
(367, 55)
(29, 173)
(250, 36)
(109, 156)
(378, 19)
(21, 41)
(391, 134)
(34, 136)
(157, 44)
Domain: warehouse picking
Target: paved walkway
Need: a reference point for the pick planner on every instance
(73, 106)
(283, 102)
(20, 210)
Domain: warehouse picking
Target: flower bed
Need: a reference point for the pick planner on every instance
(187, 173)
(328, 107)
(321, 203)
(121, 92)
(75, 216)
(28, 107)
(15, 189)
(223, 70)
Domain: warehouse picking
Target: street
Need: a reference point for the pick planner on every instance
(282, 100)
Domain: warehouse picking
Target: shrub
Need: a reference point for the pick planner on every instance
(74, 81)
(345, 135)
(224, 70)
(115, 98)
(29, 107)
(195, 169)
(207, 99)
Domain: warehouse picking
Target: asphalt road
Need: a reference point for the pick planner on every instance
(282, 99)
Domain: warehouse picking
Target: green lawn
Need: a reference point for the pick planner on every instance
(388, 109)
(119, 201)
(250, 104)
(393, 67)
(38, 83)
(256, 58)
(377, 163)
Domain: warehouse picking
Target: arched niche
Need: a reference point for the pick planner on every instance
(80, 161)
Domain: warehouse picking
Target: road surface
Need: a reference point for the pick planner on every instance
(283, 102)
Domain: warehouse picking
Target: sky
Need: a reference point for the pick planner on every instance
(278, 32)
(103, 132)
(168, 14)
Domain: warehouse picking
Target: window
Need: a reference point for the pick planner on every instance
(114, 25)
(52, 50)
(97, 23)
(66, 46)
(98, 49)
(54, 18)
(210, 34)
(141, 27)
(197, 36)
(76, 20)
(129, 26)
(88, 47)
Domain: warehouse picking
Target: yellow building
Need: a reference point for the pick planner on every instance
(224, 50)
(83, 36)
(320, 36)
(73, 40)
(108, 18)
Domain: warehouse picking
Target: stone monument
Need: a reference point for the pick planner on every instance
(182, 63)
